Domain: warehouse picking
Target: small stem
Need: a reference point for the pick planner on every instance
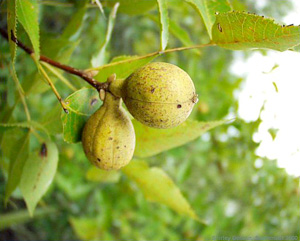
(47, 78)
(59, 75)
(20, 91)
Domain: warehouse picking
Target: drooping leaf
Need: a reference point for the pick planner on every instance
(157, 186)
(240, 31)
(11, 27)
(122, 68)
(151, 141)
(132, 7)
(95, 174)
(15, 146)
(99, 58)
(38, 173)
(86, 228)
(81, 104)
(20, 217)
(208, 9)
(164, 23)
(27, 11)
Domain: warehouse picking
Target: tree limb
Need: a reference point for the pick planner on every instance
(97, 85)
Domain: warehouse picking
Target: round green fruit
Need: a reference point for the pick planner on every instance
(108, 137)
(159, 95)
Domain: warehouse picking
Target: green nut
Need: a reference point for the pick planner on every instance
(108, 137)
(159, 95)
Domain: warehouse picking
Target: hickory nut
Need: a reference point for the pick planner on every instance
(108, 137)
(159, 95)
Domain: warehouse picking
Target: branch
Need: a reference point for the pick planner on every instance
(97, 85)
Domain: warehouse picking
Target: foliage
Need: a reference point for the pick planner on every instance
(204, 178)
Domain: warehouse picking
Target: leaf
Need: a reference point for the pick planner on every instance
(95, 174)
(99, 57)
(132, 7)
(21, 216)
(73, 29)
(240, 31)
(157, 186)
(27, 11)
(122, 68)
(11, 27)
(25, 125)
(164, 23)
(15, 139)
(81, 104)
(52, 121)
(151, 141)
(86, 228)
(38, 174)
(208, 8)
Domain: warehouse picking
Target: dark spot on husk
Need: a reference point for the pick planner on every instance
(179, 106)
(94, 101)
(43, 151)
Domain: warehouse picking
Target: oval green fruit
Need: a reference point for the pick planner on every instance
(159, 95)
(108, 137)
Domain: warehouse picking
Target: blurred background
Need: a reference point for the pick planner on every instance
(243, 178)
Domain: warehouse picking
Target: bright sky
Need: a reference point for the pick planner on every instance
(282, 108)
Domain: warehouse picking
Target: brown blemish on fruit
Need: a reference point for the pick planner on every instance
(94, 101)
(43, 151)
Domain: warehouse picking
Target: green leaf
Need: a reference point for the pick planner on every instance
(27, 11)
(26, 125)
(15, 146)
(73, 29)
(122, 68)
(20, 217)
(99, 57)
(11, 27)
(240, 31)
(95, 174)
(132, 7)
(52, 121)
(208, 9)
(157, 186)
(151, 141)
(81, 104)
(164, 23)
(86, 228)
(38, 174)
